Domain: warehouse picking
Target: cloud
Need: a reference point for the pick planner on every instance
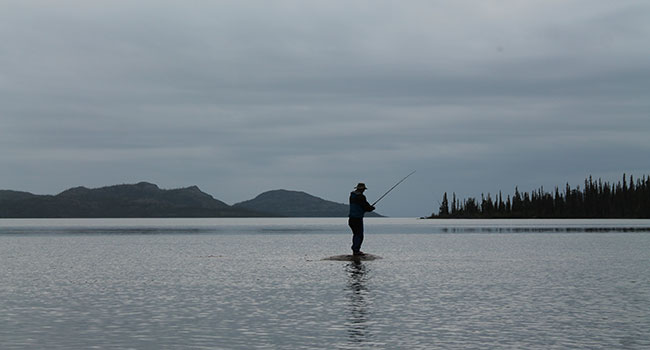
(242, 97)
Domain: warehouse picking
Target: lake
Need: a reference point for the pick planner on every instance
(262, 284)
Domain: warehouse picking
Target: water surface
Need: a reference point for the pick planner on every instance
(261, 284)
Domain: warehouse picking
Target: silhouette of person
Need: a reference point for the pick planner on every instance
(358, 208)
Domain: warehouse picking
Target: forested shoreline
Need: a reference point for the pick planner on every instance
(628, 198)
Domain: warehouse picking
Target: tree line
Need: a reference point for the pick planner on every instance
(597, 199)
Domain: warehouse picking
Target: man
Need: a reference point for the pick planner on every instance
(358, 207)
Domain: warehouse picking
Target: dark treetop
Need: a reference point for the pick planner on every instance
(598, 199)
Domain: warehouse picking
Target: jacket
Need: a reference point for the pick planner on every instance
(359, 205)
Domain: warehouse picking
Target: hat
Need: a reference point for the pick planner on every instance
(361, 186)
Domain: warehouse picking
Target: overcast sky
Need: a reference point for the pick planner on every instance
(241, 97)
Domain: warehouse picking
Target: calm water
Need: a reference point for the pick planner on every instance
(261, 284)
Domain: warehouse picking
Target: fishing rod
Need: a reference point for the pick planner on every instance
(387, 192)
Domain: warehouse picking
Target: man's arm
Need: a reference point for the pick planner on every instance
(366, 205)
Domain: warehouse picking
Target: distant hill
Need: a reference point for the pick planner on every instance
(295, 204)
(142, 200)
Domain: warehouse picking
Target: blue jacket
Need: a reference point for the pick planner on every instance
(359, 205)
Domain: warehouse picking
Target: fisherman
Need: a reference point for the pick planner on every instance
(358, 207)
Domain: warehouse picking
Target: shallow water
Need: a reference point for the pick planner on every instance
(261, 284)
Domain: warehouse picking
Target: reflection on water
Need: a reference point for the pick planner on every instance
(578, 229)
(357, 325)
(259, 284)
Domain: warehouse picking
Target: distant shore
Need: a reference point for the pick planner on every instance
(627, 199)
(147, 200)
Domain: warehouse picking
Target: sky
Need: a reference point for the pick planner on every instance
(242, 97)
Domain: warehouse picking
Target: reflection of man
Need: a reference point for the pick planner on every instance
(358, 207)
(358, 324)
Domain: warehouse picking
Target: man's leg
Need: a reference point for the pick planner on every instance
(357, 233)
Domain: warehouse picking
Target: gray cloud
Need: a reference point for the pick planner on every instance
(242, 97)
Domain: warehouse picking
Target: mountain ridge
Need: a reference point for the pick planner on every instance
(296, 204)
(144, 200)
(147, 200)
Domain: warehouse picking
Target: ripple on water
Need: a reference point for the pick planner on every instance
(198, 291)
